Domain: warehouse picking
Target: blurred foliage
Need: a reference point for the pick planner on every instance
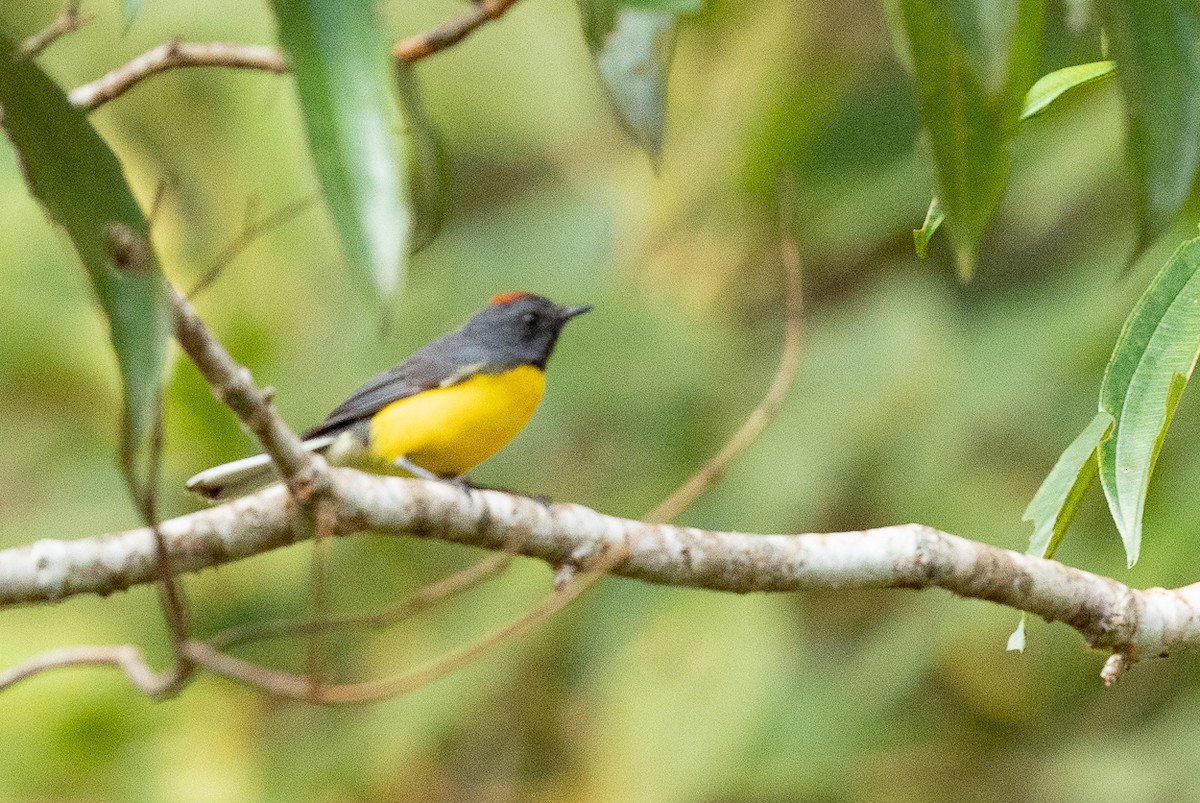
(919, 399)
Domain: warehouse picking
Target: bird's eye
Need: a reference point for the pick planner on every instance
(529, 317)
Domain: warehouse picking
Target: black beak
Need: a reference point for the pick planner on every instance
(567, 313)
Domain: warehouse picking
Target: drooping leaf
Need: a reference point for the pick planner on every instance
(1145, 377)
(342, 67)
(1056, 501)
(1053, 506)
(1158, 68)
(77, 178)
(973, 62)
(893, 12)
(632, 47)
(933, 219)
(1052, 86)
(129, 12)
(427, 162)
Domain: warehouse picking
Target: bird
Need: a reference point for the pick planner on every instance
(442, 411)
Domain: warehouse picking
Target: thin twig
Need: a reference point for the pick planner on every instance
(170, 595)
(250, 233)
(127, 658)
(68, 21)
(283, 684)
(320, 596)
(712, 471)
(174, 54)
(451, 32)
(419, 601)
(302, 471)
(170, 55)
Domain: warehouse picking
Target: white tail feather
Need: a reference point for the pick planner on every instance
(248, 474)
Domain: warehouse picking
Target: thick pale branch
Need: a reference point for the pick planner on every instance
(1109, 614)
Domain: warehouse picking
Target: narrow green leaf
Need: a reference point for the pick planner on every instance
(933, 219)
(973, 63)
(428, 165)
(129, 12)
(1158, 67)
(1052, 86)
(77, 178)
(1016, 642)
(1150, 365)
(893, 12)
(340, 58)
(1053, 506)
(632, 48)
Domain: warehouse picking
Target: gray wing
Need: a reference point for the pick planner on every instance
(443, 362)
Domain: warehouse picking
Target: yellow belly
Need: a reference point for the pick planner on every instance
(450, 430)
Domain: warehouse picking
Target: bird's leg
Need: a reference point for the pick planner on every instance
(462, 481)
(412, 468)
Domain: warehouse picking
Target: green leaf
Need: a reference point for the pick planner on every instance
(933, 219)
(340, 58)
(1158, 67)
(428, 165)
(77, 178)
(1053, 506)
(129, 11)
(973, 63)
(1052, 86)
(632, 48)
(1056, 501)
(1145, 377)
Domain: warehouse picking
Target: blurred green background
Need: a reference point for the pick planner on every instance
(918, 399)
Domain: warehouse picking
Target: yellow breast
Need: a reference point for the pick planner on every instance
(450, 430)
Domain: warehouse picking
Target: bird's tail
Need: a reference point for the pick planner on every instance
(240, 477)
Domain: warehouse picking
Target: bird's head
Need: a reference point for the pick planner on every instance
(523, 326)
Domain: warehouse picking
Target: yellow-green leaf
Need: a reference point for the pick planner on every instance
(1053, 506)
(1145, 377)
(1052, 86)
(933, 219)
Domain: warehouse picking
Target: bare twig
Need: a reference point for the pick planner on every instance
(712, 471)
(252, 230)
(320, 596)
(68, 21)
(286, 685)
(174, 54)
(302, 471)
(419, 601)
(170, 55)
(415, 48)
(126, 658)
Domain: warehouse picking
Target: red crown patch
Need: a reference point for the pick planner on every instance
(507, 298)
